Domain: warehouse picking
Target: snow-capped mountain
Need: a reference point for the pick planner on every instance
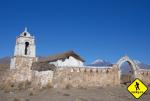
(125, 68)
(141, 65)
(137, 61)
(100, 62)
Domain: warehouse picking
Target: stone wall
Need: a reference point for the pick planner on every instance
(22, 63)
(18, 78)
(42, 79)
(85, 77)
(67, 76)
(15, 76)
(144, 75)
(14, 79)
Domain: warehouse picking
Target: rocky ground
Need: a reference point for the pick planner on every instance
(119, 93)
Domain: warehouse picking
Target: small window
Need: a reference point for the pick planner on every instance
(25, 34)
(26, 48)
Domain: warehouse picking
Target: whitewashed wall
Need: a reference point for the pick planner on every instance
(20, 47)
(71, 61)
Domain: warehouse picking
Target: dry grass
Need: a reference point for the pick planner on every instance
(24, 85)
(68, 86)
(17, 99)
(20, 99)
(81, 99)
(4, 67)
(8, 87)
(65, 94)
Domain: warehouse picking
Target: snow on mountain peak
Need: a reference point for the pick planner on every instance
(98, 61)
(137, 61)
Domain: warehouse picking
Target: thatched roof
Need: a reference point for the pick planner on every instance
(62, 56)
(42, 66)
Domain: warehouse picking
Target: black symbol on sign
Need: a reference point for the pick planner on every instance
(137, 86)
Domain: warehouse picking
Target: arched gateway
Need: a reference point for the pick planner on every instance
(133, 66)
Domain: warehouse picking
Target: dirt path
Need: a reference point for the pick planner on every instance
(90, 94)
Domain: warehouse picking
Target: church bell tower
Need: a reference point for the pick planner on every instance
(25, 51)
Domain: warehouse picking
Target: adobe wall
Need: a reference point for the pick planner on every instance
(85, 77)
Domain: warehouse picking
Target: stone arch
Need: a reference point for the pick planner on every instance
(127, 59)
(133, 66)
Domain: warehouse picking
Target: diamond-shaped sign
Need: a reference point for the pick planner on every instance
(137, 88)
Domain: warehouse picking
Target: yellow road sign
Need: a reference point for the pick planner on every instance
(137, 88)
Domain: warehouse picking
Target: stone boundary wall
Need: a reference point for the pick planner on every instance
(17, 78)
(144, 75)
(42, 79)
(85, 77)
(14, 79)
(67, 76)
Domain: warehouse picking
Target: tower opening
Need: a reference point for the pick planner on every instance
(26, 48)
(25, 34)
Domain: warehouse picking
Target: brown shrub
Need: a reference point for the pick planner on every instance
(66, 94)
(81, 99)
(16, 99)
(9, 86)
(68, 86)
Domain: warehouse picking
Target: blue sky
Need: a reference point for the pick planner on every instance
(106, 29)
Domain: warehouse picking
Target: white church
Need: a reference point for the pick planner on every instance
(25, 55)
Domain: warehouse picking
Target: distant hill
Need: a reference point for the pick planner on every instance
(41, 58)
(142, 65)
(5, 60)
(4, 63)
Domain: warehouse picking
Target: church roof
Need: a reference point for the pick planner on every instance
(63, 56)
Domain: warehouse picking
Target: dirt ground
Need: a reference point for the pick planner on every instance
(119, 93)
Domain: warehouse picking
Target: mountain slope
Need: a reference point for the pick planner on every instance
(141, 64)
(5, 60)
(4, 63)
